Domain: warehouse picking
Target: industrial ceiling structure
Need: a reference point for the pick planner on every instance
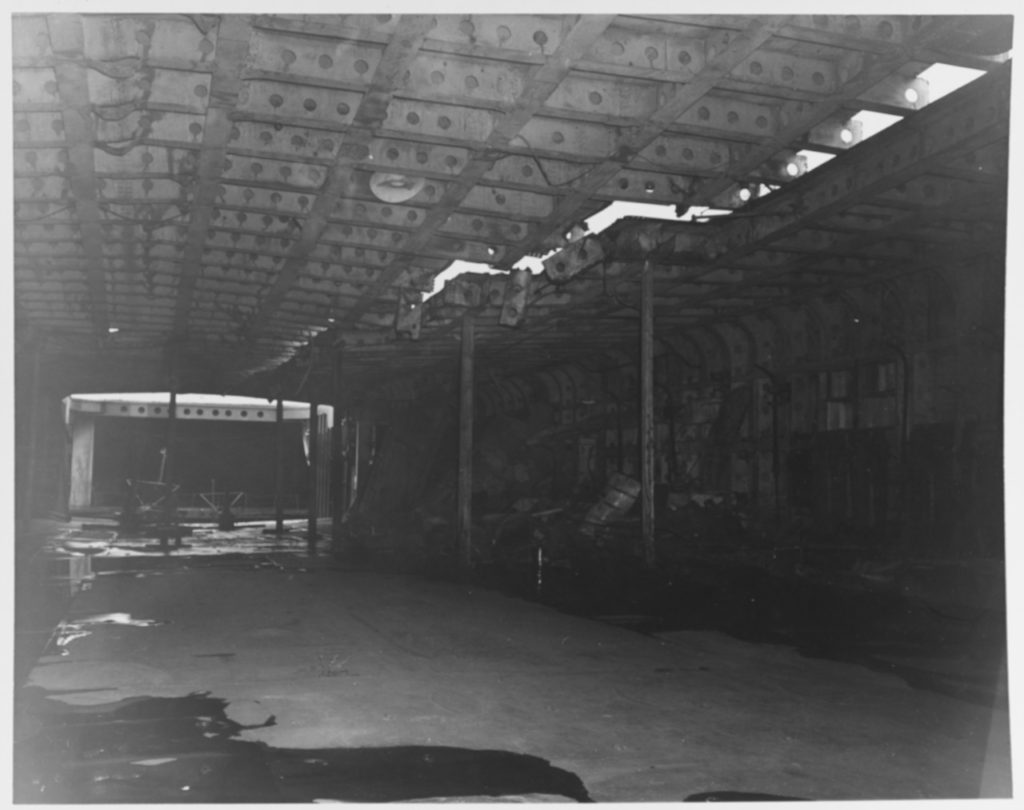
(225, 196)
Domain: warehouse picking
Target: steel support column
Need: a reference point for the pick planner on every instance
(647, 438)
(279, 469)
(353, 492)
(338, 472)
(170, 435)
(465, 481)
(169, 458)
(313, 459)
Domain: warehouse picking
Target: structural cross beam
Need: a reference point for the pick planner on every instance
(225, 86)
(726, 57)
(849, 180)
(68, 41)
(372, 110)
(979, 113)
(873, 69)
(542, 82)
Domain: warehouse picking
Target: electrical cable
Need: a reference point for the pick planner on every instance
(145, 223)
(121, 151)
(543, 171)
(44, 216)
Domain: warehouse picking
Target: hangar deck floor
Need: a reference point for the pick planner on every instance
(294, 664)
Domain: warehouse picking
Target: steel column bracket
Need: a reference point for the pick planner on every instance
(516, 290)
(460, 292)
(409, 316)
(573, 259)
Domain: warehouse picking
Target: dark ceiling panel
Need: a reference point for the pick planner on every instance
(239, 190)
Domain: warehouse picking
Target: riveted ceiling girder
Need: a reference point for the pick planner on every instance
(621, 102)
(496, 133)
(670, 161)
(871, 70)
(721, 61)
(467, 81)
(225, 86)
(68, 41)
(978, 116)
(373, 108)
(537, 87)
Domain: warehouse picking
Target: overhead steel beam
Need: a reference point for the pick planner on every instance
(398, 55)
(977, 114)
(67, 39)
(542, 82)
(875, 68)
(726, 58)
(233, 34)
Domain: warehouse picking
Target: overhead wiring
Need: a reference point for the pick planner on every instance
(540, 166)
(44, 216)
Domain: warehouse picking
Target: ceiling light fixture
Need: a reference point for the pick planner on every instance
(113, 330)
(395, 188)
(911, 95)
(846, 135)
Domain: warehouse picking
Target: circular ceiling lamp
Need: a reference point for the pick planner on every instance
(395, 188)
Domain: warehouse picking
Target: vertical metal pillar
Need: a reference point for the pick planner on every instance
(67, 449)
(167, 470)
(345, 485)
(647, 437)
(28, 488)
(314, 457)
(464, 518)
(171, 434)
(337, 454)
(279, 470)
(172, 425)
(353, 491)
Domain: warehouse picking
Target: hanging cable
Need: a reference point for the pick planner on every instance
(44, 216)
(144, 222)
(543, 171)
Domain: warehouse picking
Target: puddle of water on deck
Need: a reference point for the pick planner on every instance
(185, 750)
